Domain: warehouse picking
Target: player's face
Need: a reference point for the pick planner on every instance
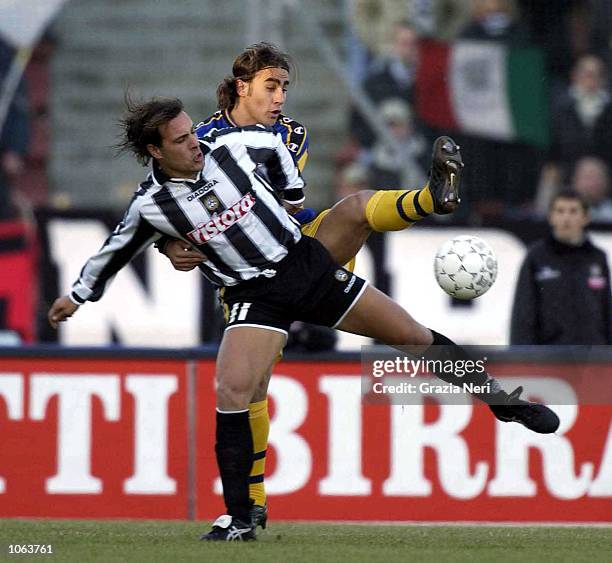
(261, 100)
(179, 154)
(568, 220)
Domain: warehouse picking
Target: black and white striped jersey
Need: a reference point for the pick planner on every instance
(230, 212)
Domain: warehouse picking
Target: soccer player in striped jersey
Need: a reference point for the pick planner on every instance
(256, 93)
(210, 194)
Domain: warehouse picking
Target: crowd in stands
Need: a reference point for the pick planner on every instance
(504, 178)
(509, 178)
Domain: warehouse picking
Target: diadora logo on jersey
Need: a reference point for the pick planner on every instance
(201, 191)
(220, 222)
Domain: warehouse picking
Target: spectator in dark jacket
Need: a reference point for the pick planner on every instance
(582, 118)
(389, 77)
(563, 292)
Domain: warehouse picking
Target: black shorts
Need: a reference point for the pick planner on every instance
(308, 286)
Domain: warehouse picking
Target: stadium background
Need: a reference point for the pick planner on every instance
(113, 415)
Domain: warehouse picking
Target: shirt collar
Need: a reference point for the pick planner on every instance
(226, 113)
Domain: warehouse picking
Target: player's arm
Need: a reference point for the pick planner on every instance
(284, 175)
(297, 140)
(297, 143)
(130, 237)
(524, 309)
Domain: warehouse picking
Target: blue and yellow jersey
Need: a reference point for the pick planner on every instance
(294, 134)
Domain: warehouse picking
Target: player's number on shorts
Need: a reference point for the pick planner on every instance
(239, 312)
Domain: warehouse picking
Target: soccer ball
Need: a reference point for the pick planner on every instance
(465, 267)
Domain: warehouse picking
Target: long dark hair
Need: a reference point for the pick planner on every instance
(141, 122)
(246, 65)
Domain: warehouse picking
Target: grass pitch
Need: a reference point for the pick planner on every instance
(153, 541)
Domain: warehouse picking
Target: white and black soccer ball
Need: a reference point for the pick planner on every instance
(465, 267)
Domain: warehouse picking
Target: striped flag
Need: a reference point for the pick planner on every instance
(484, 89)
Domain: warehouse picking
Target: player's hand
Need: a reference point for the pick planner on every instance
(61, 310)
(183, 256)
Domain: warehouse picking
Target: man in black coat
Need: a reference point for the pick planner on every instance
(582, 118)
(563, 291)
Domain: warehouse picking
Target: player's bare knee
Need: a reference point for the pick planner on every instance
(234, 395)
(363, 197)
(354, 207)
(359, 207)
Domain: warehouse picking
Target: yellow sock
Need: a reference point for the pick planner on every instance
(395, 210)
(260, 429)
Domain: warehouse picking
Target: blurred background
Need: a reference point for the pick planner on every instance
(112, 414)
(523, 85)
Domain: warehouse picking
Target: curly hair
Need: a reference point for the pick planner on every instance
(246, 65)
(141, 124)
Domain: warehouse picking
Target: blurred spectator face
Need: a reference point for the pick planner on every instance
(568, 219)
(588, 75)
(406, 45)
(483, 9)
(590, 180)
(494, 15)
(398, 118)
(353, 178)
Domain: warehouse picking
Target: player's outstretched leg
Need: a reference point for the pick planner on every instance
(507, 407)
(377, 316)
(345, 227)
(395, 210)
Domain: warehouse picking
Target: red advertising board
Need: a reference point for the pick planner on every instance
(93, 438)
(331, 457)
(127, 437)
